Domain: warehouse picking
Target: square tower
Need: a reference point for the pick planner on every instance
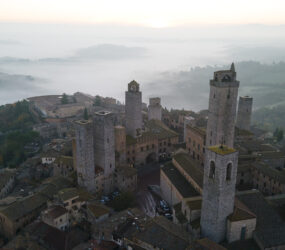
(222, 108)
(104, 146)
(133, 109)
(244, 112)
(154, 109)
(84, 150)
(219, 183)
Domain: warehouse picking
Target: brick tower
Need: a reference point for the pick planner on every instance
(222, 108)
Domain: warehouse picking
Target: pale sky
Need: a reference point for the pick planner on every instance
(149, 13)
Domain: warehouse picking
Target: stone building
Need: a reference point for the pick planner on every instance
(133, 109)
(155, 143)
(244, 112)
(219, 184)
(63, 165)
(154, 109)
(7, 182)
(188, 120)
(222, 108)
(120, 145)
(104, 147)
(84, 154)
(56, 216)
(195, 140)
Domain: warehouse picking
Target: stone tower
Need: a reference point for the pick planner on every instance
(84, 154)
(120, 145)
(218, 191)
(154, 109)
(222, 108)
(244, 112)
(104, 146)
(133, 109)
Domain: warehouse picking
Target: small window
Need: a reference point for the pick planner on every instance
(212, 170)
(229, 172)
(110, 165)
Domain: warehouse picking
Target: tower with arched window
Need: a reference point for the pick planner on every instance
(220, 172)
(222, 108)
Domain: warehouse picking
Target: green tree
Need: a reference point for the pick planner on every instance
(280, 135)
(85, 115)
(123, 201)
(97, 101)
(64, 99)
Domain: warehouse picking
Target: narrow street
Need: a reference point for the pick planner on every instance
(148, 175)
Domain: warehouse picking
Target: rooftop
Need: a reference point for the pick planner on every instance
(56, 212)
(270, 228)
(206, 244)
(163, 234)
(222, 149)
(5, 177)
(269, 171)
(98, 209)
(68, 193)
(195, 204)
(179, 181)
(186, 162)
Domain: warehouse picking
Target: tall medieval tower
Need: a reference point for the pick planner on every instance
(222, 108)
(244, 112)
(220, 170)
(154, 109)
(85, 164)
(104, 146)
(133, 109)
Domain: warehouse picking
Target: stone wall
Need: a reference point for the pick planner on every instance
(234, 229)
(169, 193)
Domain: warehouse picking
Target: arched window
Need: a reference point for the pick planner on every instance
(212, 170)
(229, 171)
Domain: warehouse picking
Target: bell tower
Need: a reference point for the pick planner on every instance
(133, 109)
(219, 183)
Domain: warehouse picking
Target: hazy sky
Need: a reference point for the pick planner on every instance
(150, 13)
